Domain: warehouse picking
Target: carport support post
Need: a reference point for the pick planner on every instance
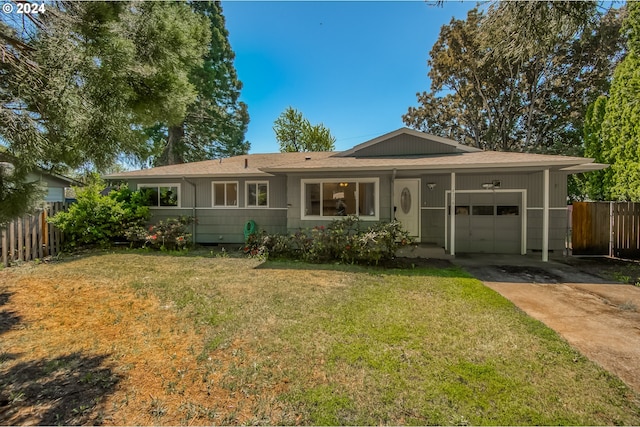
(452, 242)
(545, 216)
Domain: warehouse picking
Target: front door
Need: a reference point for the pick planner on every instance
(406, 203)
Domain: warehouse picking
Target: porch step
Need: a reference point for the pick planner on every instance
(423, 251)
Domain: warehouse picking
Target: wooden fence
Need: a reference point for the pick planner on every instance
(31, 237)
(606, 228)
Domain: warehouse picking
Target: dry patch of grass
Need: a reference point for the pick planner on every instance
(129, 338)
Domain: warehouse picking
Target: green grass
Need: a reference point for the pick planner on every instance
(368, 346)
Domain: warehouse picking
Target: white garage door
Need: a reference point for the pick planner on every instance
(488, 222)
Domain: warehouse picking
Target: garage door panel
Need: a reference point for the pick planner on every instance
(493, 223)
(507, 198)
(482, 234)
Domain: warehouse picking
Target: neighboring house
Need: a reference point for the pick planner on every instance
(54, 184)
(503, 202)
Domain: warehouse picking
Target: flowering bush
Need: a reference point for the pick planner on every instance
(170, 234)
(342, 240)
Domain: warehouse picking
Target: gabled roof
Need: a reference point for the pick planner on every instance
(403, 149)
(40, 171)
(406, 141)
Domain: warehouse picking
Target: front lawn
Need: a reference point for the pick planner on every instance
(126, 338)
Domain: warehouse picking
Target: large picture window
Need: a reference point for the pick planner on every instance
(257, 194)
(160, 195)
(225, 194)
(335, 198)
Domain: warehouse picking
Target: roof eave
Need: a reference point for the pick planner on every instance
(585, 167)
(186, 175)
(561, 165)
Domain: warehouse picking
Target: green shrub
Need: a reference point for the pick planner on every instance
(342, 240)
(95, 219)
(170, 234)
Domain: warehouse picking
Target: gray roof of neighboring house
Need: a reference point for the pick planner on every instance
(369, 156)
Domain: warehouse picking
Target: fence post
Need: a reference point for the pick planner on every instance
(5, 247)
(611, 229)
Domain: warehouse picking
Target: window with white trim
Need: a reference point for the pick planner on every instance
(257, 194)
(225, 194)
(335, 198)
(160, 195)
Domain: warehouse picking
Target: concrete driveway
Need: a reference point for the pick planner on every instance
(601, 319)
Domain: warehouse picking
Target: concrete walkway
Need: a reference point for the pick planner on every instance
(600, 319)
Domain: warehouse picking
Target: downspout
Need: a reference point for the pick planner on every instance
(195, 219)
(393, 184)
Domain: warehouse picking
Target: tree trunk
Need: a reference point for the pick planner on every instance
(174, 150)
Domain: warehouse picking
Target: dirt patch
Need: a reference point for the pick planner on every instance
(103, 354)
(601, 320)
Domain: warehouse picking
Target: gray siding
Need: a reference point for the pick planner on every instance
(532, 182)
(227, 225)
(405, 145)
(433, 215)
(204, 192)
(557, 229)
(54, 187)
(224, 225)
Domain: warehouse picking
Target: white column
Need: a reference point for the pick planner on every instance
(545, 215)
(452, 242)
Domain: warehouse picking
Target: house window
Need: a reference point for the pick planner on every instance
(225, 194)
(160, 195)
(257, 194)
(508, 210)
(482, 210)
(335, 198)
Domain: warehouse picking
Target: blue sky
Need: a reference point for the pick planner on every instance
(353, 66)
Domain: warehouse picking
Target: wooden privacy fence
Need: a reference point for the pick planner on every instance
(30, 237)
(606, 228)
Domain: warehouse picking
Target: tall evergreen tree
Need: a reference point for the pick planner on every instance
(80, 81)
(597, 183)
(216, 122)
(620, 126)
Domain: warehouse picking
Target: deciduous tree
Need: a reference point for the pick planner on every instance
(295, 133)
(530, 97)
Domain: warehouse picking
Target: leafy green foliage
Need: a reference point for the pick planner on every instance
(80, 82)
(295, 133)
(597, 183)
(342, 240)
(171, 234)
(620, 134)
(216, 121)
(17, 196)
(496, 94)
(96, 219)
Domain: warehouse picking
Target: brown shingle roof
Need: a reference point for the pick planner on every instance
(476, 160)
(232, 166)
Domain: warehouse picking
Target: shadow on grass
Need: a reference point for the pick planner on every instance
(64, 390)
(51, 391)
(8, 319)
(398, 266)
